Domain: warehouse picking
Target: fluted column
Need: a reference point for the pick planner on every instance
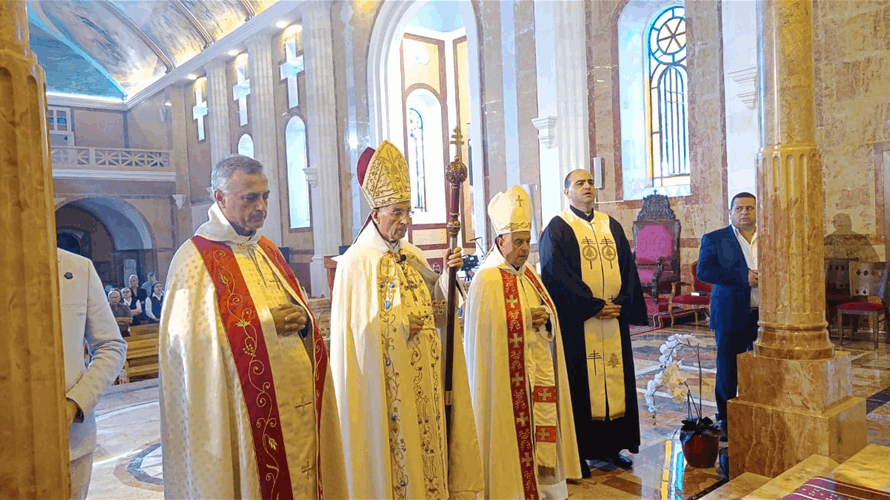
(218, 111)
(34, 450)
(322, 135)
(571, 87)
(262, 122)
(795, 396)
(792, 293)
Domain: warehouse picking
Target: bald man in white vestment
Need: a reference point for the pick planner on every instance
(516, 366)
(247, 402)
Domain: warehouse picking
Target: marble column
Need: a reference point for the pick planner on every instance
(218, 111)
(795, 392)
(34, 453)
(571, 88)
(321, 120)
(263, 124)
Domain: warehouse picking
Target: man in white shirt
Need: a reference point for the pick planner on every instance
(728, 259)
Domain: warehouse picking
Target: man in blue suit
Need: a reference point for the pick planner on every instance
(728, 260)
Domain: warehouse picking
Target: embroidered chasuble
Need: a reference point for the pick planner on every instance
(602, 338)
(520, 387)
(245, 412)
(389, 383)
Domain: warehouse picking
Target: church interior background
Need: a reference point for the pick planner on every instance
(144, 97)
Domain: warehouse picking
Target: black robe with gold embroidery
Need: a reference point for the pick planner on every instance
(561, 272)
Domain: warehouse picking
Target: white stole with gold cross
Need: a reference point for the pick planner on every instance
(602, 337)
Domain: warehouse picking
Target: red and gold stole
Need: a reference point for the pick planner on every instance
(543, 394)
(518, 384)
(320, 351)
(244, 331)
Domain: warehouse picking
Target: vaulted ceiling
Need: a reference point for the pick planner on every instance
(115, 48)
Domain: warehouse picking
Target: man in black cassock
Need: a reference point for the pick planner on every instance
(587, 266)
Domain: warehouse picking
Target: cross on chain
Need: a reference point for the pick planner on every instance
(199, 111)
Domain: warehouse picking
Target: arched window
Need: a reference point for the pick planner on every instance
(297, 186)
(667, 93)
(245, 145)
(417, 166)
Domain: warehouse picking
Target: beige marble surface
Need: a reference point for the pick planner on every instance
(816, 385)
(768, 440)
(738, 487)
(870, 468)
(791, 479)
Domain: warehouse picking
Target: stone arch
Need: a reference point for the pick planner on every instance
(384, 86)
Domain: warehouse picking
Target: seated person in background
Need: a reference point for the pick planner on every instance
(148, 285)
(121, 312)
(154, 302)
(134, 305)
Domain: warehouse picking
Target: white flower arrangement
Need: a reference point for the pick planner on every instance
(671, 378)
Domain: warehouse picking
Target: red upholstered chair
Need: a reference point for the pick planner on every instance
(868, 287)
(657, 245)
(837, 286)
(699, 298)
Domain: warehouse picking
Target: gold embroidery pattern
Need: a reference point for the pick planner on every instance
(425, 351)
(386, 291)
(387, 180)
(256, 368)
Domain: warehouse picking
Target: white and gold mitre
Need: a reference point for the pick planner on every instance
(383, 175)
(511, 211)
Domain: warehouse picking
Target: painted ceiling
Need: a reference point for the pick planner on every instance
(115, 48)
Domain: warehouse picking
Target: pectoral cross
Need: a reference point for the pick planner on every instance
(290, 70)
(241, 90)
(199, 111)
(594, 356)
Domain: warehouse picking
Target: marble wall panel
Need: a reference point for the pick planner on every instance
(149, 124)
(852, 63)
(99, 129)
(198, 153)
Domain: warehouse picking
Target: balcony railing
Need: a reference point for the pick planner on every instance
(111, 159)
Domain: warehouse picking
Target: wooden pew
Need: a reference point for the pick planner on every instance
(142, 353)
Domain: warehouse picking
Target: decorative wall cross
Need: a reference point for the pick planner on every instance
(199, 111)
(290, 69)
(241, 90)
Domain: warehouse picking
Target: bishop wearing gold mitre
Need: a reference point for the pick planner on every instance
(517, 367)
(387, 355)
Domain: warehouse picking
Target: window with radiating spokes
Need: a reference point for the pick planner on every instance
(667, 90)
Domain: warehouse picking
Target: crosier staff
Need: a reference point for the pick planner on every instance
(455, 174)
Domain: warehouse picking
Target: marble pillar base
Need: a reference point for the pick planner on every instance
(788, 410)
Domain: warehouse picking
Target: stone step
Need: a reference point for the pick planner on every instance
(738, 487)
(793, 478)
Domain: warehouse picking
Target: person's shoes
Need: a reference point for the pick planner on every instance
(621, 461)
(585, 469)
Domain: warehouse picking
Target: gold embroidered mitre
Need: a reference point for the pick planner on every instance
(383, 175)
(511, 211)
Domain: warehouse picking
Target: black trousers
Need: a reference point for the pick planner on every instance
(729, 345)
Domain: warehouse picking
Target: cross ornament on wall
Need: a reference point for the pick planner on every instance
(290, 70)
(199, 111)
(241, 90)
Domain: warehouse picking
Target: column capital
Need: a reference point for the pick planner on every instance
(215, 65)
(314, 9)
(256, 40)
(311, 176)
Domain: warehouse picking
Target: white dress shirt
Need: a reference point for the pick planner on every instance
(750, 251)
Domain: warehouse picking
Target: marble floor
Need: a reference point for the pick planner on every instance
(128, 461)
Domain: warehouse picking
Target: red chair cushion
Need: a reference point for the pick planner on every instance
(860, 306)
(692, 300)
(654, 241)
(646, 275)
(652, 307)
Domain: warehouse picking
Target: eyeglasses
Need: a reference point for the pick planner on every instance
(400, 214)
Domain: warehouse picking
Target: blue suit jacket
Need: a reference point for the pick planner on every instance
(722, 263)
